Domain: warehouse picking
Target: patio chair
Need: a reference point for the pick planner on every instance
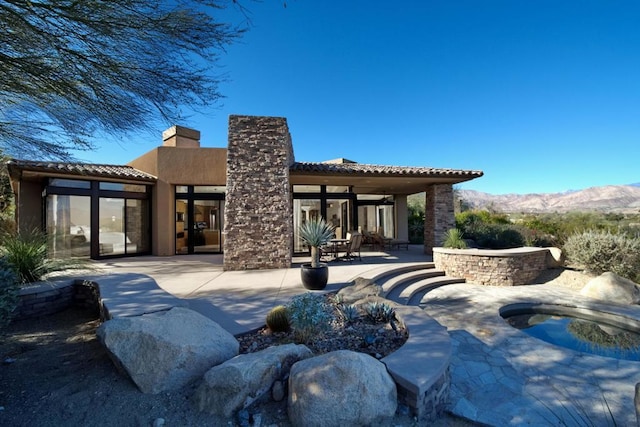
(352, 248)
(380, 242)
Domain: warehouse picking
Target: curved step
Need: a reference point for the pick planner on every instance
(413, 294)
(383, 272)
(393, 286)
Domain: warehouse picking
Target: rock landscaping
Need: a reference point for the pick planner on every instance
(340, 388)
(166, 350)
(244, 379)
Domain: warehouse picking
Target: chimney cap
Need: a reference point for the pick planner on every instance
(181, 131)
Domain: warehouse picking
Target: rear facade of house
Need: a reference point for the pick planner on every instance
(245, 201)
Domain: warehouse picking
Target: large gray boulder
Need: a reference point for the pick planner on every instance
(359, 289)
(612, 288)
(240, 381)
(341, 388)
(165, 351)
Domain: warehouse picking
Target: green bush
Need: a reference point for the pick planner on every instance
(453, 239)
(469, 219)
(8, 293)
(309, 315)
(600, 251)
(495, 236)
(26, 253)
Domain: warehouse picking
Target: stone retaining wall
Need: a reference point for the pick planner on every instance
(506, 267)
(420, 367)
(44, 298)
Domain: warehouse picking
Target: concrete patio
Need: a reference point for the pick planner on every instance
(499, 375)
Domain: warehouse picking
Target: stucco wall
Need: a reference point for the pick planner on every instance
(177, 166)
(508, 267)
(258, 226)
(29, 206)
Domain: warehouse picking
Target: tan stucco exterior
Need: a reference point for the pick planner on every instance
(177, 166)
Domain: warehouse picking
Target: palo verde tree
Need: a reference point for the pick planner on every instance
(72, 69)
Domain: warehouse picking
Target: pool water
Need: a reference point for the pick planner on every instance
(580, 335)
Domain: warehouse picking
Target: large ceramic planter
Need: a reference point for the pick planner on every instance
(314, 279)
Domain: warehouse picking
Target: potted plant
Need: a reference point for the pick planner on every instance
(315, 233)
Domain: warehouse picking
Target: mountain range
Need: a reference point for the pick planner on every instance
(609, 198)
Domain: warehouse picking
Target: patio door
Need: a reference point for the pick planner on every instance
(199, 222)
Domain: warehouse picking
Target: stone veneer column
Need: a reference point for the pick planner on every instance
(258, 225)
(439, 215)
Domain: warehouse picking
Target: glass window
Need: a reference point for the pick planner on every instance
(137, 226)
(338, 216)
(303, 210)
(306, 188)
(182, 188)
(207, 222)
(377, 219)
(111, 232)
(209, 189)
(70, 183)
(337, 189)
(68, 219)
(118, 186)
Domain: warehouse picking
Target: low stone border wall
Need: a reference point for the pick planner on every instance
(44, 298)
(420, 367)
(505, 267)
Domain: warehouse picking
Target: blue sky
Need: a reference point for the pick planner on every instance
(543, 96)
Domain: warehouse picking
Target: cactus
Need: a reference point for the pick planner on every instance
(278, 319)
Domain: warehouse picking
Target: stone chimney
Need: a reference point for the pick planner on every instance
(178, 136)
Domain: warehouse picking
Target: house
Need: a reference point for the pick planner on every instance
(245, 201)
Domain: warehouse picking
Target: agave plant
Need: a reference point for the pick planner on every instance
(316, 233)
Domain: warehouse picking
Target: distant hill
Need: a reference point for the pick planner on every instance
(610, 198)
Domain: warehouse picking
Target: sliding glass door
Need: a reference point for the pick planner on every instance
(199, 220)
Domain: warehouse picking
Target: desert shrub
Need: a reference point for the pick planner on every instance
(600, 251)
(536, 238)
(26, 253)
(495, 236)
(453, 239)
(468, 219)
(309, 315)
(8, 292)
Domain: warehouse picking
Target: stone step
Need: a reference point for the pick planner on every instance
(382, 273)
(394, 285)
(413, 294)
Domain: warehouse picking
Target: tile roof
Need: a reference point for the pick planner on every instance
(82, 169)
(362, 169)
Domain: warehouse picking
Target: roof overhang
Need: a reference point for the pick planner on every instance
(374, 179)
(34, 170)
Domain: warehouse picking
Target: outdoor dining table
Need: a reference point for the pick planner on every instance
(333, 246)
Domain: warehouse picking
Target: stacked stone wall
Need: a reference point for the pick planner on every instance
(492, 267)
(47, 298)
(439, 215)
(258, 225)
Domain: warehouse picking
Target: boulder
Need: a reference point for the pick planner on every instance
(555, 257)
(612, 288)
(359, 289)
(240, 381)
(165, 351)
(341, 388)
